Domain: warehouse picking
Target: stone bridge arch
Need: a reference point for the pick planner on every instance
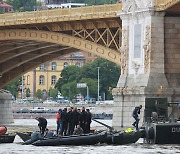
(38, 46)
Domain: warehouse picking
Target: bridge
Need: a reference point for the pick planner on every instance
(141, 36)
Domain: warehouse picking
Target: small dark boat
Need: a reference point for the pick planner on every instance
(122, 138)
(7, 138)
(126, 138)
(86, 139)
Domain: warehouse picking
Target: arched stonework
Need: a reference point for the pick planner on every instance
(62, 39)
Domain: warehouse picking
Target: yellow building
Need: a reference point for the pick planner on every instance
(46, 75)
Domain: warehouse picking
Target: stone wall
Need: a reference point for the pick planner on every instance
(172, 55)
(6, 116)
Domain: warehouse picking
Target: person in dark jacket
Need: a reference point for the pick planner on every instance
(74, 120)
(88, 121)
(69, 114)
(42, 124)
(82, 119)
(135, 113)
(64, 120)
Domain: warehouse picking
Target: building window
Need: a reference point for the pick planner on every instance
(28, 80)
(41, 67)
(41, 80)
(53, 80)
(65, 64)
(78, 64)
(54, 66)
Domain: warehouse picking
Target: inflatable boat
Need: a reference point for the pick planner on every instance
(6, 138)
(85, 139)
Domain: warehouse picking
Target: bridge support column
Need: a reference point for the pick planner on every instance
(6, 116)
(143, 77)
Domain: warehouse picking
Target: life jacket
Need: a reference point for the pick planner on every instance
(3, 130)
(129, 130)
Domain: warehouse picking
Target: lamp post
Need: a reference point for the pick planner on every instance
(98, 83)
(47, 83)
(69, 93)
(22, 88)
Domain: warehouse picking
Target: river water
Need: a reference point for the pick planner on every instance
(139, 147)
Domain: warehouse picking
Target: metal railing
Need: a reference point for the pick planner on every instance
(56, 14)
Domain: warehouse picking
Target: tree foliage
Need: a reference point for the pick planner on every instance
(108, 77)
(53, 93)
(95, 2)
(22, 5)
(39, 94)
(13, 87)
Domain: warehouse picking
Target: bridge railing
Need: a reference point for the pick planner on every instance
(164, 4)
(56, 14)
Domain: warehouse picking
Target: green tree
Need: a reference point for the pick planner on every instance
(92, 86)
(68, 74)
(69, 90)
(22, 5)
(109, 75)
(28, 92)
(39, 94)
(13, 87)
(95, 2)
(53, 93)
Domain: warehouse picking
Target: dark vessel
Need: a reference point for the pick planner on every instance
(7, 138)
(162, 127)
(122, 138)
(86, 139)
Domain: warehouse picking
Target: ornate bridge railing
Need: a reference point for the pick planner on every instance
(67, 14)
(164, 4)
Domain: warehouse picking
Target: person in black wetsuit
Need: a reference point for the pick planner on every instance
(42, 124)
(88, 121)
(135, 113)
(64, 120)
(74, 120)
(82, 119)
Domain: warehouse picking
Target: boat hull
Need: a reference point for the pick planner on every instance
(90, 139)
(7, 138)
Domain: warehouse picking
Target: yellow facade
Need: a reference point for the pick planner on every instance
(46, 75)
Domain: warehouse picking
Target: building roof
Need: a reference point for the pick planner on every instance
(3, 4)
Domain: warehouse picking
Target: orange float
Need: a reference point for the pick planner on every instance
(3, 130)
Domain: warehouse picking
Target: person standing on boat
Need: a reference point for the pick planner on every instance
(82, 119)
(74, 119)
(69, 114)
(42, 124)
(88, 121)
(136, 111)
(58, 121)
(64, 120)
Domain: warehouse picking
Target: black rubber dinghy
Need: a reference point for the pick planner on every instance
(86, 139)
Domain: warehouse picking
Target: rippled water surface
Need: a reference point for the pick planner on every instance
(137, 148)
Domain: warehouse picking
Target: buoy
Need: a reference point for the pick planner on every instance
(3, 130)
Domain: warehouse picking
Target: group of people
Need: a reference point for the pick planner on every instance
(69, 121)
(75, 121)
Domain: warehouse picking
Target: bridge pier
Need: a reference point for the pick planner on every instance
(150, 63)
(6, 116)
